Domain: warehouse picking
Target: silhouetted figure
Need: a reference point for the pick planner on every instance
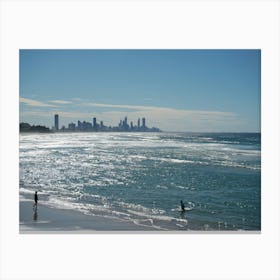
(182, 205)
(36, 200)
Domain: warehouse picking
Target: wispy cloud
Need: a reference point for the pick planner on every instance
(62, 102)
(174, 119)
(77, 99)
(163, 110)
(74, 116)
(34, 103)
(120, 106)
(165, 118)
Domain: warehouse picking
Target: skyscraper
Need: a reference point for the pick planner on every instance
(94, 123)
(56, 125)
(79, 125)
(144, 122)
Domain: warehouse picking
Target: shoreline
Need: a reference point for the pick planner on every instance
(53, 220)
(67, 221)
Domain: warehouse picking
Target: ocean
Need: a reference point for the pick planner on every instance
(142, 177)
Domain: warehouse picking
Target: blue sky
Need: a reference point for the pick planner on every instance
(176, 90)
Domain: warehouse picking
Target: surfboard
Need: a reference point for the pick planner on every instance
(179, 209)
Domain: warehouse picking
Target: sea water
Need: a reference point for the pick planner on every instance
(142, 177)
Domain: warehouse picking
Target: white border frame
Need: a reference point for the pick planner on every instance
(139, 24)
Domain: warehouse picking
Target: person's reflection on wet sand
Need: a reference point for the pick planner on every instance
(35, 216)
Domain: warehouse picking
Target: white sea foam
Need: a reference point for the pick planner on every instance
(157, 217)
(25, 191)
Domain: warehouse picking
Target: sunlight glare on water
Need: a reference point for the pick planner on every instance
(143, 176)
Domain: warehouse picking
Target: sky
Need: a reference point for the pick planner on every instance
(175, 90)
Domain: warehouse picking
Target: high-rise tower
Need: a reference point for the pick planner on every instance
(56, 125)
(144, 122)
(94, 123)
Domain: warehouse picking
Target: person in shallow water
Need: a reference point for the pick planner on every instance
(35, 199)
(182, 205)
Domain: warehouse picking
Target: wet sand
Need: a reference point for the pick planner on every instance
(52, 220)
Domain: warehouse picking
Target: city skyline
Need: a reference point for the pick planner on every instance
(99, 125)
(177, 90)
(95, 126)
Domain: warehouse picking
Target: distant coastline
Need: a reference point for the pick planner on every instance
(26, 127)
(50, 131)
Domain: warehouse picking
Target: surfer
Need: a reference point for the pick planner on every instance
(35, 199)
(182, 205)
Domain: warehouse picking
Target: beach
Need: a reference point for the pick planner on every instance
(48, 220)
